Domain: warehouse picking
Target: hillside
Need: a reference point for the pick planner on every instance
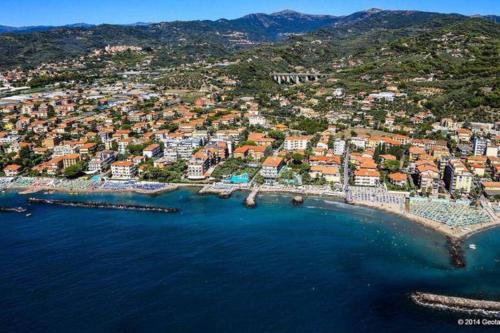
(32, 48)
(211, 38)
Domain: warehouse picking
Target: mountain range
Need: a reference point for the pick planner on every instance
(192, 40)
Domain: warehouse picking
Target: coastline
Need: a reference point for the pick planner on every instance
(456, 234)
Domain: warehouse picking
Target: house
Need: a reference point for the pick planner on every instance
(12, 170)
(271, 168)
(330, 173)
(152, 151)
(398, 179)
(366, 177)
(123, 170)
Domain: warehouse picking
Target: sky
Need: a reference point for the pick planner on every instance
(60, 12)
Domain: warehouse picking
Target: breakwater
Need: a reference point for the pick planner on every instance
(458, 304)
(12, 210)
(456, 252)
(102, 205)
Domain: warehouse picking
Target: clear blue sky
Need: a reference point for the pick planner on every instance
(59, 12)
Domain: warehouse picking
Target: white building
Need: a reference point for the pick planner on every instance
(456, 177)
(339, 147)
(123, 170)
(151, 151)
(296, 142)
(271, 168)
(480, 145)
(366, 177)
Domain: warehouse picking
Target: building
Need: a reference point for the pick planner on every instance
(12, 170)
(366, 177)
(152, 151)
(457, 178)
(70, 160)
(123, 170)
(339, 147)
(398, 179)
(199, 165)
(271, 168)
(296, 142)
(491, 189)
(330, 173)
(479, 146)
(101, 161)
(428, 178)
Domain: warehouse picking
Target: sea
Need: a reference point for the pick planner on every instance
(217, 266)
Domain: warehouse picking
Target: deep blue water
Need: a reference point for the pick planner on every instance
(219, 267)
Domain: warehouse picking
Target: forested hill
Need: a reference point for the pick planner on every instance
(201, 39)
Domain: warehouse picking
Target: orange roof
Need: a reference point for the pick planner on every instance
(367, 173)
(152, 147)
(12, 167)
(326, 170)
(427, 167)
(71, 157)
(258, 149)
(254, 136)
(241, 150)
(398, 176)
(123, 164)
(272, 161)
(491, 184)
(388, 157)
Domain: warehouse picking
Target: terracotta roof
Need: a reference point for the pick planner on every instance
(12, 167)
(123, 164)
(398, 176)
(272, 161)
(366, 173)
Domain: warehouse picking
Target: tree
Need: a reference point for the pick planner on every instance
(391, 165)
(74, 171)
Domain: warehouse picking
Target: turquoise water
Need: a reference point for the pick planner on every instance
(219, 267)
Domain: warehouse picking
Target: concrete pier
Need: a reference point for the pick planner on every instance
(250, 201)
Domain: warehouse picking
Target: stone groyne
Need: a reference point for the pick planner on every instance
(458, 304)
(103, 205)
(12, 210)
(456, 251)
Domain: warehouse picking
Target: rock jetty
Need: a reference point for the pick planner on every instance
(297, 200)
(458, 304)
(12, 210)
(102, 205)
(456, 252)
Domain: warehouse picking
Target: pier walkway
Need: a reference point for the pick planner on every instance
(250, 200)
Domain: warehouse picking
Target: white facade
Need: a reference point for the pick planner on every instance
(296, 143)
(339, 147)
(123, 170)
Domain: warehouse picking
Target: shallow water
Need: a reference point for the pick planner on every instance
(219, 267)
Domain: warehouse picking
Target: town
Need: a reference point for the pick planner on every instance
(129, 130)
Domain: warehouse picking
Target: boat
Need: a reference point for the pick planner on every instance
(472, 246)
(28, 215)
